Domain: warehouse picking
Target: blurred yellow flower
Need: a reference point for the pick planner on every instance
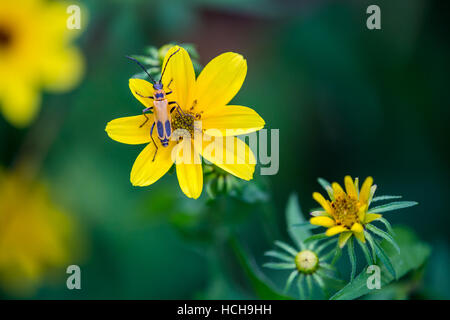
(35, 235)
(35, 53)
(202, 100)
(346, 214)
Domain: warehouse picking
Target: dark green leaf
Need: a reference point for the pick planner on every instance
(413, 255)
(393, 206)
(294, 216)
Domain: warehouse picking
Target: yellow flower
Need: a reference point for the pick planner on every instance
(35, 236)
(346, 213)
(35, 53)
(202, 100)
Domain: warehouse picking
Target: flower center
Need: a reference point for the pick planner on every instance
(185, 121)
(345, 210)
(306, 261)
(5, 37)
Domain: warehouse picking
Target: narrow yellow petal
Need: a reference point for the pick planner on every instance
(322, 221)
(219, 81)
(233, 120)
(350, 187)
(189, 170)
(128, 129)
(180, 71)
(323, 202)
(335, 230)
(357, 227)
(362, 212)
(145, 171)
(365, 190)
(337, 188)
(142, 90)
(343, 238)
(371, 217)
(360, 236)
(230, 154)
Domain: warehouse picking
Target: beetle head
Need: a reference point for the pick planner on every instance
(158, 85)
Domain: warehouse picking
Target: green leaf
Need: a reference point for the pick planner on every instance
(289, 280)
(352, 257)
(325, 244)
(381, 198)
(327, 186)
(319, 281)
(286, 247)
(279, 265)
(381, 254)
(259, 282)
(146, 60)
(315, 237)
(366, 252)
(413, 255)
(301, 290)
(294, 217)
(393, 206)
(384, 235)
(387, 224)
(309, 284)
(337, 255)
(279, 255)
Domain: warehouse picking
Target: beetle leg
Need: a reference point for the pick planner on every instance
(151, 136)
(146, 118)
(180, 111)
(168, 87)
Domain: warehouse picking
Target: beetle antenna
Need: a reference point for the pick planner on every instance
(143, 68)
(164, 69)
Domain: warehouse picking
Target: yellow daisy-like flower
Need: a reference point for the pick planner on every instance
(203, 100)
(35, 53)
(35, 235)
(346, 213)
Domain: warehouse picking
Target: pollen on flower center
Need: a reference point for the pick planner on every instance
(307, 261)
(184, 120)
(345, 210)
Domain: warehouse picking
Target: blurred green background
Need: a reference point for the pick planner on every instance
(347, 100)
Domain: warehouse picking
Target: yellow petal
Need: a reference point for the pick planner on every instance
(362, 212)
(189, 170)
(219, 81)
(322, 221)
(324, 203)
(365, 190)
(360, 236)
(371, 217)
(343, 238)
(62, 70)
(350, 187)
(181, 71)
(20, 102)
(233, 120)
(230, 154)
(337, 189)
(145, 171)
(141, 88)
(335, 230)
(357, 227)
(128, 129)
